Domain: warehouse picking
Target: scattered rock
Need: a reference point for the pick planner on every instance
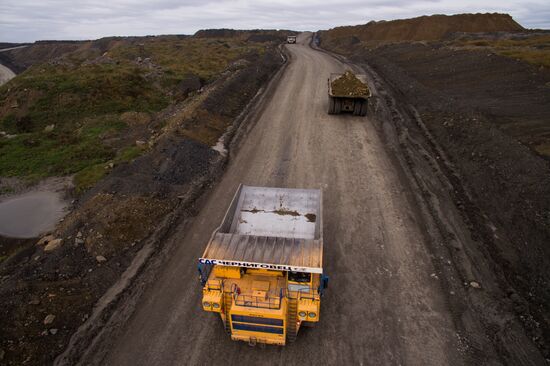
(78, 241)
(53, 245)
(141, 143)
(49, 319)
(100, 259)
(45, 240)
(189, 84)
(475, 284)
(79, 234)
(49, 128)
(2, 354)
(34, 302)
(53, 331)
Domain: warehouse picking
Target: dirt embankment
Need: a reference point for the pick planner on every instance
(423, 28)
(45, 295)
(489, 115)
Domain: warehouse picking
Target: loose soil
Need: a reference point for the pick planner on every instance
(349, 85)
(488, 116)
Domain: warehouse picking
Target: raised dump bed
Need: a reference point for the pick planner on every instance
(262, 268)
(348, 92)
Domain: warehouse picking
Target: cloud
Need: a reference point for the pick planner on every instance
(29, 20)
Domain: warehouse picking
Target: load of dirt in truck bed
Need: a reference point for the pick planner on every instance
(349, 85)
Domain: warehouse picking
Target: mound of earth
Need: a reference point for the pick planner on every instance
(348, 84)
(423, 28)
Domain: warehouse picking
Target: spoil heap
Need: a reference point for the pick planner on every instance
(349, 85)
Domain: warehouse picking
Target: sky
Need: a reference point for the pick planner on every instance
(30, 20)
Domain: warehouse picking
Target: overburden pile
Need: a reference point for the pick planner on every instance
(349, 85)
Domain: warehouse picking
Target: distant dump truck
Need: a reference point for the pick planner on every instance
(262, 268)
(348, 92)
(291, 39)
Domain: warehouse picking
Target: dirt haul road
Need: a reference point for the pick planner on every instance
(384, 305)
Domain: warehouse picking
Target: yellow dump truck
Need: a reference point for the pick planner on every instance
(262, 268)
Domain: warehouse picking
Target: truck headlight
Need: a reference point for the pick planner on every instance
(312, 314)
(215, 305)
(302, 314)
(206, 304)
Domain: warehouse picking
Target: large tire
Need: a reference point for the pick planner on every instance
(357, 107)
(330, 105)
(337, 106)
(364, 107)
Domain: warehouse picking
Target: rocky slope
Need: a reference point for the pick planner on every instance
(48, 289)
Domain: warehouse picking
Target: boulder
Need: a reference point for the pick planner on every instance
(100, 259)
(45, 240)
(190, 83)
(53, 245)
(49, 319)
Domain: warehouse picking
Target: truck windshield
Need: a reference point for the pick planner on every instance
(299, 276)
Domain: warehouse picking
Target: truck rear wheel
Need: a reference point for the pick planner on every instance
(330, 105)
(364, 106)
(357, 107)
(337, 106)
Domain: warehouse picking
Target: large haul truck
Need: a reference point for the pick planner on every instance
(262, 268)
(348, 92)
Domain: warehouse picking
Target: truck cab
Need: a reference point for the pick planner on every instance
(291, 39)
(262, 269)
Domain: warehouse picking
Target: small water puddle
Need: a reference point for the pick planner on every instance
(31, 214)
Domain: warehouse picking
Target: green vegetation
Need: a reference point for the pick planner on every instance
(65, 117)
(534, 50)
(204, 57)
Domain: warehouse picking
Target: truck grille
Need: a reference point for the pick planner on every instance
(256, 324)
(256, 320)
(257, 328)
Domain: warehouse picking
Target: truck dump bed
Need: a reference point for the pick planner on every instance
(271, 228)
(361, 77)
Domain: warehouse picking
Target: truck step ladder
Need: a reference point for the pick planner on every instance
(227, 301)
(291, 321)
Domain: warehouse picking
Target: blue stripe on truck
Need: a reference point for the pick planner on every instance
(256, 320)
(257, 328)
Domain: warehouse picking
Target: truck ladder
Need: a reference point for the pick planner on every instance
(291, 319)
(227, 301)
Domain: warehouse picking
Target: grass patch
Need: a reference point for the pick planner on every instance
(534, 50)
(204, 57)
(32, 155)
(83, 97)
(89, 176)
(128, 154)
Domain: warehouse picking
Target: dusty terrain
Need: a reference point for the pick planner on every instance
(408, 285)
(483, 99)
(48, 290)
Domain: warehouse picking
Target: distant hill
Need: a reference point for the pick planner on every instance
(424, 28)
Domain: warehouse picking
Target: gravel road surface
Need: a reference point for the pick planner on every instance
(5, 74)
(383, 306)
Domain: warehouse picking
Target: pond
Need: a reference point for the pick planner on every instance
(31, 214)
